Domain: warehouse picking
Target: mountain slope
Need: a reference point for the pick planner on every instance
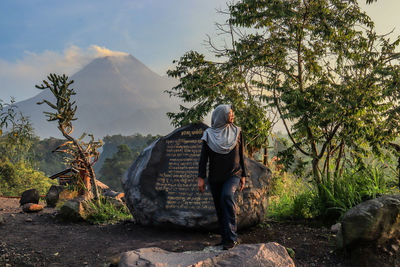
(115, 95)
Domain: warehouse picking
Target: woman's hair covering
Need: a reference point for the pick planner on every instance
(222, 136)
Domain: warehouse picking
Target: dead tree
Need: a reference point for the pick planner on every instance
(81, 155)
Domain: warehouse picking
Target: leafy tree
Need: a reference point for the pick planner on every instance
(326, 72)
(16, 133)
(118, 154)
(83, 155)
(206, 84)
(43, 157)
(114, 168)
(319, 64)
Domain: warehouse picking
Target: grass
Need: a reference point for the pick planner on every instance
(292, 198)
(106, 211)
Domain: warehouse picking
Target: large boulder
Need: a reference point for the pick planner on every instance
(53, 195)
(29, 196)
(161, 185)
(374, 221)
(263, 255)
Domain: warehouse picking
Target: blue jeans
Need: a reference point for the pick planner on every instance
(225, 205)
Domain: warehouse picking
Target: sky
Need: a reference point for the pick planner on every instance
(42, 36)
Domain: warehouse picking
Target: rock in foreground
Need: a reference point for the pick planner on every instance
(254, 255)
(374, 221)
(161, 185)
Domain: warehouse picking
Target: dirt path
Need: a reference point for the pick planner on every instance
(40, 240)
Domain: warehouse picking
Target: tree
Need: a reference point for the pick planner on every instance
(327, 72)
(318, 63)
(83, 154)
(206, 84)
(16, 133)
(114, 167)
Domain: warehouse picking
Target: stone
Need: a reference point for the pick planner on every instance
(29, 196)
(336, 228)
(266, 255)
(73, 210)
(32, 207)
(374, 222)
(53, 195)
(161, 185)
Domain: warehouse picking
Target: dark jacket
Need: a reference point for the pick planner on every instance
(222, 166)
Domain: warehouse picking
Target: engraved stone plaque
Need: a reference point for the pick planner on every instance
(161, 185)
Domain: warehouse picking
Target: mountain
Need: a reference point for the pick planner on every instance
(114, 95)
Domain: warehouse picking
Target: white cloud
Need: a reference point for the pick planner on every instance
(18, 78)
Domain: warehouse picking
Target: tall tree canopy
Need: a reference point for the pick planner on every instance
(319, 63)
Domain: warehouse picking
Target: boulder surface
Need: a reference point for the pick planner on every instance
(266, 255)
(32, 207)
(374, 221)
(161, 185)
(53, 195)
(29, 196)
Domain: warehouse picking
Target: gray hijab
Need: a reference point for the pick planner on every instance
(222, 136)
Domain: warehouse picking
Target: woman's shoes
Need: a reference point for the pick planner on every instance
(230, 245)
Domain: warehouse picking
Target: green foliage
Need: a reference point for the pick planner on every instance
(118, 154)
(18, 177)
(16, 134)
(105, 211)
(113, 168)
(64, 107)
(205, 84)
(356, 185)
(291, 199)
(43, 157)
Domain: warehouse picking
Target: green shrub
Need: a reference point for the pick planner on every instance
(15, 178)
(290, 198)
(105, 211)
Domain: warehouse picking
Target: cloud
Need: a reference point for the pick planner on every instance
(19, 77)
(100, 51)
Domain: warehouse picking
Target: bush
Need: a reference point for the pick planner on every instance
(15, 178)
(105, 211)
(290, 198)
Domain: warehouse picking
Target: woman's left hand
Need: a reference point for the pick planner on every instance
(242, 182)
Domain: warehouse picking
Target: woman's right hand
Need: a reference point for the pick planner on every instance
(200, 182)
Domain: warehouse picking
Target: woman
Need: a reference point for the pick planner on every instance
(223, 149)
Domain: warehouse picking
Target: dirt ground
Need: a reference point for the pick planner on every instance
(40, 240)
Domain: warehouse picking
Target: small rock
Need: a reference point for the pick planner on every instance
(53, 195)
(31, 207)
(336, 227)
(29, 196)
(28, 219)
(395, 247)
(73, 210)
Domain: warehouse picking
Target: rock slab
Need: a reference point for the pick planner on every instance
(374, 221)
(29, 196)
(161, 185)
(254, 255)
